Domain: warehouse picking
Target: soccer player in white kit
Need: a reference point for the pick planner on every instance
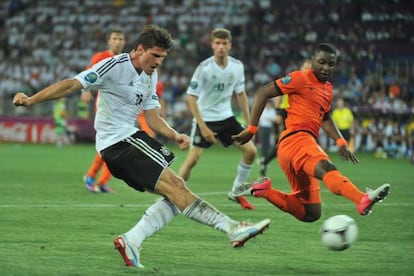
(210, 99)
(126, 84)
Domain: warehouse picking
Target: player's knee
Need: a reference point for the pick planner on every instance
(326, 165)
(312, 213)
(250, 153)
(311, 217)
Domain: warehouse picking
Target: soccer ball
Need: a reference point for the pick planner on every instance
(339, 232)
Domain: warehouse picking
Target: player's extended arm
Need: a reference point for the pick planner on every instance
(205, 130)
(330, 128)
(160, 126)
(264, 93)
(55, 91)
(244, 106)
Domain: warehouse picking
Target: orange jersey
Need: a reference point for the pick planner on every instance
(99, 56)
(309, 101)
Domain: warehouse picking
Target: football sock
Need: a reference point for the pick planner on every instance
(243, 171)
(288, 203)
(95, 166)
(341, 185)
(105, 175)
(155, 218)
(203, 212)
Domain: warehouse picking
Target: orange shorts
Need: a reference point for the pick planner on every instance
(298, 155)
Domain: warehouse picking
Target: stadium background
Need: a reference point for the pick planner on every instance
(44, 41)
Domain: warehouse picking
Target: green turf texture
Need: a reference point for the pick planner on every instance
(50, 224)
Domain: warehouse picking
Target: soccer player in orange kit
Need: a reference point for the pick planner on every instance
(303, 161)
(116, 43)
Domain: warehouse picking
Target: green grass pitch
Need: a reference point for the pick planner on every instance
(50, 224)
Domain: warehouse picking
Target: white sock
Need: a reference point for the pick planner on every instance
(156, 217)
(203, 212)
(243, 171)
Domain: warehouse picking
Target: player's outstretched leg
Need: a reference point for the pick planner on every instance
(371, 197)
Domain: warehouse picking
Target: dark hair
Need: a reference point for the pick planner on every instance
(326, 47)
(154, 36)
(114, 31)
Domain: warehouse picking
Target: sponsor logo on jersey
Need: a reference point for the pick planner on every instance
(193, 85)
(91, 77)
(286, 79)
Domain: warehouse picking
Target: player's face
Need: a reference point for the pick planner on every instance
(221, 47)
(323, 64)
(116, 43)
(148, 60)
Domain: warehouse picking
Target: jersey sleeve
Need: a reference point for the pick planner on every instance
(240, 85)
(292, 82)
(94, 76)
(196, 82)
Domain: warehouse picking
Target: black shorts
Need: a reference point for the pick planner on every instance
(138, 160)
(224, 129)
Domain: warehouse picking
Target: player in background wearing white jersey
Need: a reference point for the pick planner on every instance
(210, 97)
(127, 84)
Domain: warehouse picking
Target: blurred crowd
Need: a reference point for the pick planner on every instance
(42, 41)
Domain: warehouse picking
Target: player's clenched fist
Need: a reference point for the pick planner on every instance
(21, 99)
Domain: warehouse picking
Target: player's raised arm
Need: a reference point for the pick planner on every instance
(264, 93)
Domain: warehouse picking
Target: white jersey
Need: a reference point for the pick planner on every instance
(123, 94)
(214, 87)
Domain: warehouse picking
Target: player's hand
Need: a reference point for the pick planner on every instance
(21, 99)
(183, 141)
(209, 135)
(243, 137)
(348, 155)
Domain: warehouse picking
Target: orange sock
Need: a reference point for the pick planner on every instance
(95, 166)
(288, 203)
(105, 175)
(341, 185)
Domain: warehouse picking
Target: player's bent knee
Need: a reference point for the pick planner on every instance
(327, 165)
(311, 218)
(313, 213)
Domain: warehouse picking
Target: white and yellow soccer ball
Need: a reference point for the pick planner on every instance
(339, 232)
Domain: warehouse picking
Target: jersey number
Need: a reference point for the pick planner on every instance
(220, 86)
(139, 99)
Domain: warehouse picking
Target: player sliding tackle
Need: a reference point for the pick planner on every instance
(126, 84)
(301, 158)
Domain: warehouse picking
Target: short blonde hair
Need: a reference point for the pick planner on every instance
(221, 33)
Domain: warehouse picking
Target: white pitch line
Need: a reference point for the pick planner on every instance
(205, 194)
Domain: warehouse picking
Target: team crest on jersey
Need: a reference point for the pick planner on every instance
(155, 97)
(193, 85)
(286, 79)
(164, 150)
(91, 77)
(231, 79)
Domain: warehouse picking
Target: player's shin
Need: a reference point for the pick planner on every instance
(203, 212)
(156, 217)
(341, 185)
